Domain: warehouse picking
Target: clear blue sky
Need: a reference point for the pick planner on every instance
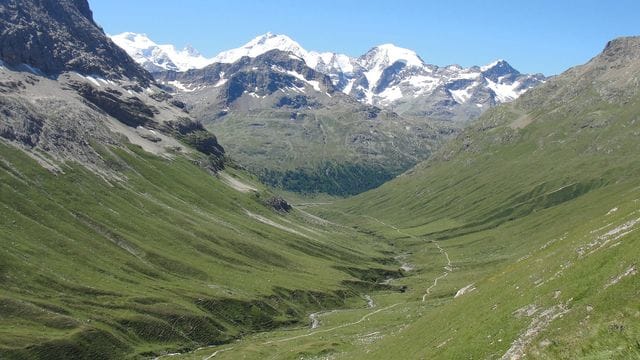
(545, 36)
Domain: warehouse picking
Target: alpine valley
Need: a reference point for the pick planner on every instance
(130, 231)
(325, 122)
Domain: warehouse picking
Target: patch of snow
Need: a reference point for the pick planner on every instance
(373, 76)
(406, 266)
(259, 46)
(461, 96)
(505, 92)
(329, 62)
(93, 80)
(143, 50)
(465, 75)
(426, 83)
(489, 66)
(178, 85)
(612, 211)
(391, 94)
(389, 54)
(221, 82)
(315, 84)
(370, 303)
(349, 86)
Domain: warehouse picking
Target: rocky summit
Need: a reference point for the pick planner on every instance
(57, 36)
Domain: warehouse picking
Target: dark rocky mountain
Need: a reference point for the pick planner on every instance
(66, 90)
(54, 36)
(260, 76)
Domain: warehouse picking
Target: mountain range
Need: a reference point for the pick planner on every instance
(127, 230)
(386, 76)
(325, 122)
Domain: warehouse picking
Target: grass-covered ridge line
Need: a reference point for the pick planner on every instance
(167, 257)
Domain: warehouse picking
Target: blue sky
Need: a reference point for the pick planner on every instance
(534, 36)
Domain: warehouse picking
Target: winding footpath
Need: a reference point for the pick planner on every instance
(447, 268)
(365, 317)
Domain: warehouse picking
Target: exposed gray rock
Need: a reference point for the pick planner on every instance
(57, 36)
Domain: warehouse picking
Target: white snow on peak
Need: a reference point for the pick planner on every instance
(391, 94)
(505, 92)
(315, 84)
(461, 96)
(491, 65)
(261, 45)
(382, 56)
(387, 54)
(157, 57)
(329, 62)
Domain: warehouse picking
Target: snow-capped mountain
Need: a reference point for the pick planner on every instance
(386, 76)
(397, 78)
(260, 45)
(327, 62)
(155, 58)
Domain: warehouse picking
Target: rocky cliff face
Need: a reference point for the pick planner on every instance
(54, 36)
(67, 92)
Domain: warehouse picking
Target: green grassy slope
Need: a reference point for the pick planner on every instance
(544, 192)
(169, 258)
(565, 275)
(336, 151)
(534, 209)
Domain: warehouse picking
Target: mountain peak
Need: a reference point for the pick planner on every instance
(387, 54)
(32, 31)
(622, 48)
(260, 45)
(132, 39)
(497, 69)
(190, 50)
(497, 62)
(154, 57)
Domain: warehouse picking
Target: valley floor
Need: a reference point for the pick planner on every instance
(482, 294)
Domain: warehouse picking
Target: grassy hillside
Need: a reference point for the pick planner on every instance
(520, 236)
(120, 240)
(168, 257)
